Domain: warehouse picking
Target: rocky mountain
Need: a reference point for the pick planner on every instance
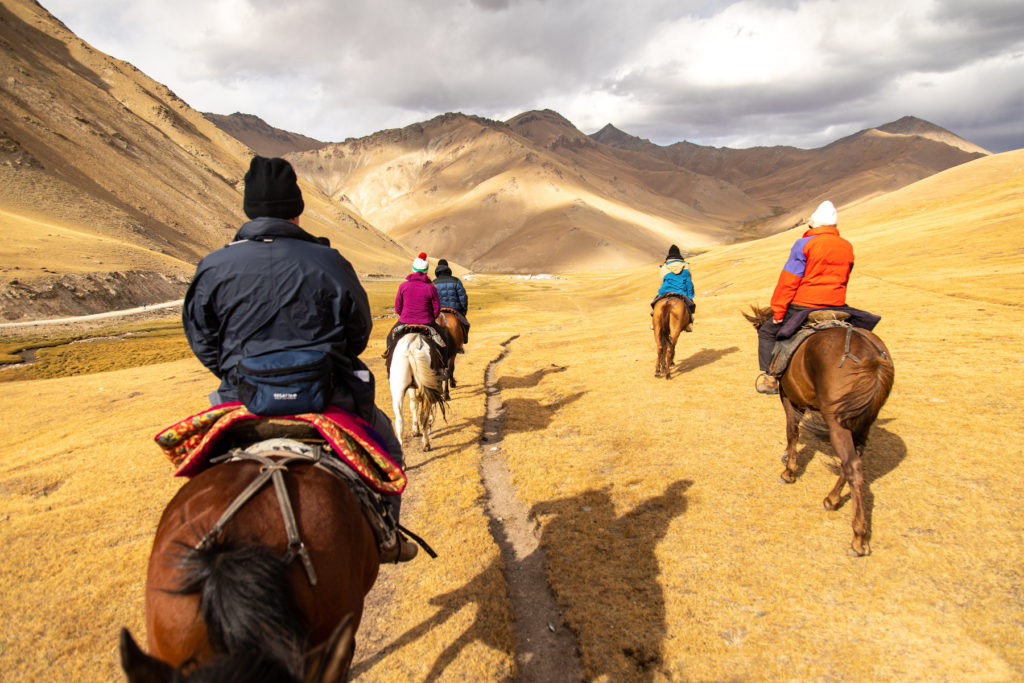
(793, 181)
(260, 136)
(111, 187)
(535, 194)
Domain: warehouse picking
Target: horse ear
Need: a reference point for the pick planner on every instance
(140, 667)
(329, 662)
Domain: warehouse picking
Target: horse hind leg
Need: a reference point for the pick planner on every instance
(793, 416)
(852, 473)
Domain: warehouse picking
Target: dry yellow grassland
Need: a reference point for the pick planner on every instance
(672, 547)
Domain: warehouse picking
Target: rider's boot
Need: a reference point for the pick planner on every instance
(766, 384)
(402, 551)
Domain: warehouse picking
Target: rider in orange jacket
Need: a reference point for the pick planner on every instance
(815, 276)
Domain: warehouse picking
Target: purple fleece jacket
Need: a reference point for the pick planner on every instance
(417, 301)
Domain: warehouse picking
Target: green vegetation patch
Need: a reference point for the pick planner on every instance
(112, 347)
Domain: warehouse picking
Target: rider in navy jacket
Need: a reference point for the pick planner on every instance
(449, 288)
(452, 293)
(278, 288)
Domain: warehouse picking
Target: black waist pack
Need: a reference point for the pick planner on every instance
(284, 382)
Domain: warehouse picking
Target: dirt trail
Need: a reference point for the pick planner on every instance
(546, 649)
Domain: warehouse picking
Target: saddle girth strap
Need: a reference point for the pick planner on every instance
(846, 349)
(270, 470)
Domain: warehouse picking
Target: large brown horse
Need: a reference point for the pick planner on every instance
(846, 374)
(671, 317)
(450, 321)
(257, 589)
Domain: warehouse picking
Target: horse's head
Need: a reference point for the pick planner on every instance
(758, 316)
(329, 661)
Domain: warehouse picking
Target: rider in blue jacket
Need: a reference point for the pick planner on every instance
(676, 280)
(452, 294)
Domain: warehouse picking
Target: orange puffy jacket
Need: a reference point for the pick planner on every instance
(816, 273)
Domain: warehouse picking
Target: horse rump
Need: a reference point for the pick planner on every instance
(870, 382)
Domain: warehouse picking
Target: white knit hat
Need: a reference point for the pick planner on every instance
(825, 214)
(420, 265)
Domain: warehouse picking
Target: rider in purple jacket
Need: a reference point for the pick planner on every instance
(417, 303)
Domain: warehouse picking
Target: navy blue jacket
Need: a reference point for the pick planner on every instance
(274, 288)
(450, 290)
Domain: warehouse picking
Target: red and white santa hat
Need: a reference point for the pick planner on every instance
(420, 265)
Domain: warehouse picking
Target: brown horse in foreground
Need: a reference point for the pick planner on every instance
(671, 316)
(457, 336)
(845, 375)
(243, 596)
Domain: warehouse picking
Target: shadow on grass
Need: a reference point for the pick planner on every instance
(604, 570)
(531, 380)
(490, 620)
(603, 565)
(529, 414)
(702, 358)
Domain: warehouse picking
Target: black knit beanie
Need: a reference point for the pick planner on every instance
(673, 253)
(271, 189)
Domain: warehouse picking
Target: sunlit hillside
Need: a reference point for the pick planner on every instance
(112, 187)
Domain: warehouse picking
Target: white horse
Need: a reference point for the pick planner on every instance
(411, 372)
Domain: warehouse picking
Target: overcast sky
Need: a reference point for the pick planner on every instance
(736, 74)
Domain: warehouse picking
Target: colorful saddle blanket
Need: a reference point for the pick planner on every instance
(190, 443)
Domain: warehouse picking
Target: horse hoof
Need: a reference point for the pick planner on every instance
(828, 504)
(864, 552)
(787, 477)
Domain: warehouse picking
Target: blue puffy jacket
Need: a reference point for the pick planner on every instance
(677, 279)
(450, 289)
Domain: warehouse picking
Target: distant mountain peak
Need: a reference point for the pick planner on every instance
(260, 136)
(911, 125)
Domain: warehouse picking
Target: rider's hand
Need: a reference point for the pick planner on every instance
(777, 322)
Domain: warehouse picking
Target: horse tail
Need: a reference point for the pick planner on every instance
(871, 382)
(428, 380)
(665, 331)
(245, 598)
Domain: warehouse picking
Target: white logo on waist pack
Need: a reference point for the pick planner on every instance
(281, 396)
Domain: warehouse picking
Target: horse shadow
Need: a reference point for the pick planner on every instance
(489, 623)
(606, 562)
(702, 358)
(531, 380)
(532, 414)
(602, 559)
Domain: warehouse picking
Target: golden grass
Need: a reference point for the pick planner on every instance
(672, 548)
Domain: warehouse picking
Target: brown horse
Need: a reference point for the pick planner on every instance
(671, 317)
(450, 321)
(242, 594)
(846, 374)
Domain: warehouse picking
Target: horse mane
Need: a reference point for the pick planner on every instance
(758, 316)
(246, 601)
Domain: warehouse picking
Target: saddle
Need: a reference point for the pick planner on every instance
(817, 320)
(690, 305)
(438, 345)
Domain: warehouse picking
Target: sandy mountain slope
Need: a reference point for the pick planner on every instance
(793, 181)
(260, 136)
(111, 187)
(505, 197)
